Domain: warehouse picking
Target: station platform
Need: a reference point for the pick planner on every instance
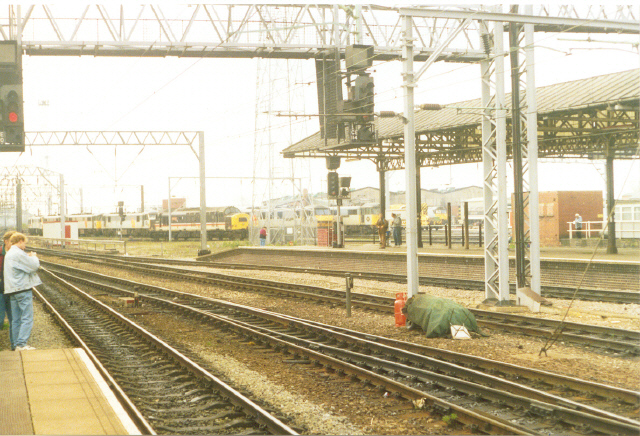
(58, 392)
(570, 253)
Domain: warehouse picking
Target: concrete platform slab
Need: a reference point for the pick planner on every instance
(57, 392)
(15, 416)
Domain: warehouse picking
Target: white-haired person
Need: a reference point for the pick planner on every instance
(578, 223)
(19, 278)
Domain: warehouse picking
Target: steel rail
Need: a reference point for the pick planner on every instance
(630, 342)
(569, 411)
(587, 294)
(630, 397)
(591, 388)
(143, 426)
(261, 416)
(489, 425)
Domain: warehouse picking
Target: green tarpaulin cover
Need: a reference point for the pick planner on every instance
(436, 315)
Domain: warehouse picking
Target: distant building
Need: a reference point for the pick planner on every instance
(364, 196)
(429, 197)
(627, 217)
(556, 209)
(176, 203)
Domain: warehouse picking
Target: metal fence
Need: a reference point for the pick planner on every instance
(86, 245)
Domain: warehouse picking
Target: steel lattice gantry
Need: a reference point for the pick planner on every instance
(276, 31)
(129, 138)
(24, 187)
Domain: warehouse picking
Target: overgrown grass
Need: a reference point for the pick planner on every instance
(177, 249)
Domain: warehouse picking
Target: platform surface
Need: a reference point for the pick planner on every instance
(57, 392)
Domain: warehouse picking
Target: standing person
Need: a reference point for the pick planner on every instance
(578, 223)
(19, 277)
(263, 236)
(383, 225)
(4, 301)
(397, 229)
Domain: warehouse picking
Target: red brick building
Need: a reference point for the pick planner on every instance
(557, 208)
(176, 203)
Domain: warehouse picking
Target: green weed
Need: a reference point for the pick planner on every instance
(450, 420)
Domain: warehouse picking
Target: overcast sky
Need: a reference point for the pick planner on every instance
(226, 99)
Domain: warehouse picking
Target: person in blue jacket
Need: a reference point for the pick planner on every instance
(19, 278)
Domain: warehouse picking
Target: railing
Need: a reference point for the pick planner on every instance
(434, 234)
(80, 244)
(589, 229)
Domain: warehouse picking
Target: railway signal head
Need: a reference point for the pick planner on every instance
(333, 185)
(364, 98)
(12, 116)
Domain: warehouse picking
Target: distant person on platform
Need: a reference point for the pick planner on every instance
(19, 277)
(4, 300)
(263, 236)
(397, 229)
(383, 225)
(578, 223)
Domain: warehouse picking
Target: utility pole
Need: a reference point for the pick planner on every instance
(518, 206)
(19, 205)
(62, 208)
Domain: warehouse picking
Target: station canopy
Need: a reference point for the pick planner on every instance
(577, 119)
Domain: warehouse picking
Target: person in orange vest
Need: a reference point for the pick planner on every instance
(383, 225)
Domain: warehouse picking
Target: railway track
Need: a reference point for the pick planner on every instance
(167, 390)
(624, 342)
(562, 292)
(487, 396)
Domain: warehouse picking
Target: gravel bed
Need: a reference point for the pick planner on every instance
(304, 398)
(624, 316)
(46, 333)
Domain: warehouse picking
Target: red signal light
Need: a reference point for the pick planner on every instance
(13, 117)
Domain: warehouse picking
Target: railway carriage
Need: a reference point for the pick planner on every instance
(35, 226)
(222, 223)
(185, 223)
(358, 220)
(88, 224)
(130, 224)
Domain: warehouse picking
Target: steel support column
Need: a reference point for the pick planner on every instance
(494, 156)
(381, 179)
(203, 193)
(531, 156)
(410, 155)
(525, 161)
(169, 209)
(63, 207)
(419, 203)
(18, 207)
(611, 203)
(517, 206)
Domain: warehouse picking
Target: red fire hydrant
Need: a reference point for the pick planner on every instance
(401, 318)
